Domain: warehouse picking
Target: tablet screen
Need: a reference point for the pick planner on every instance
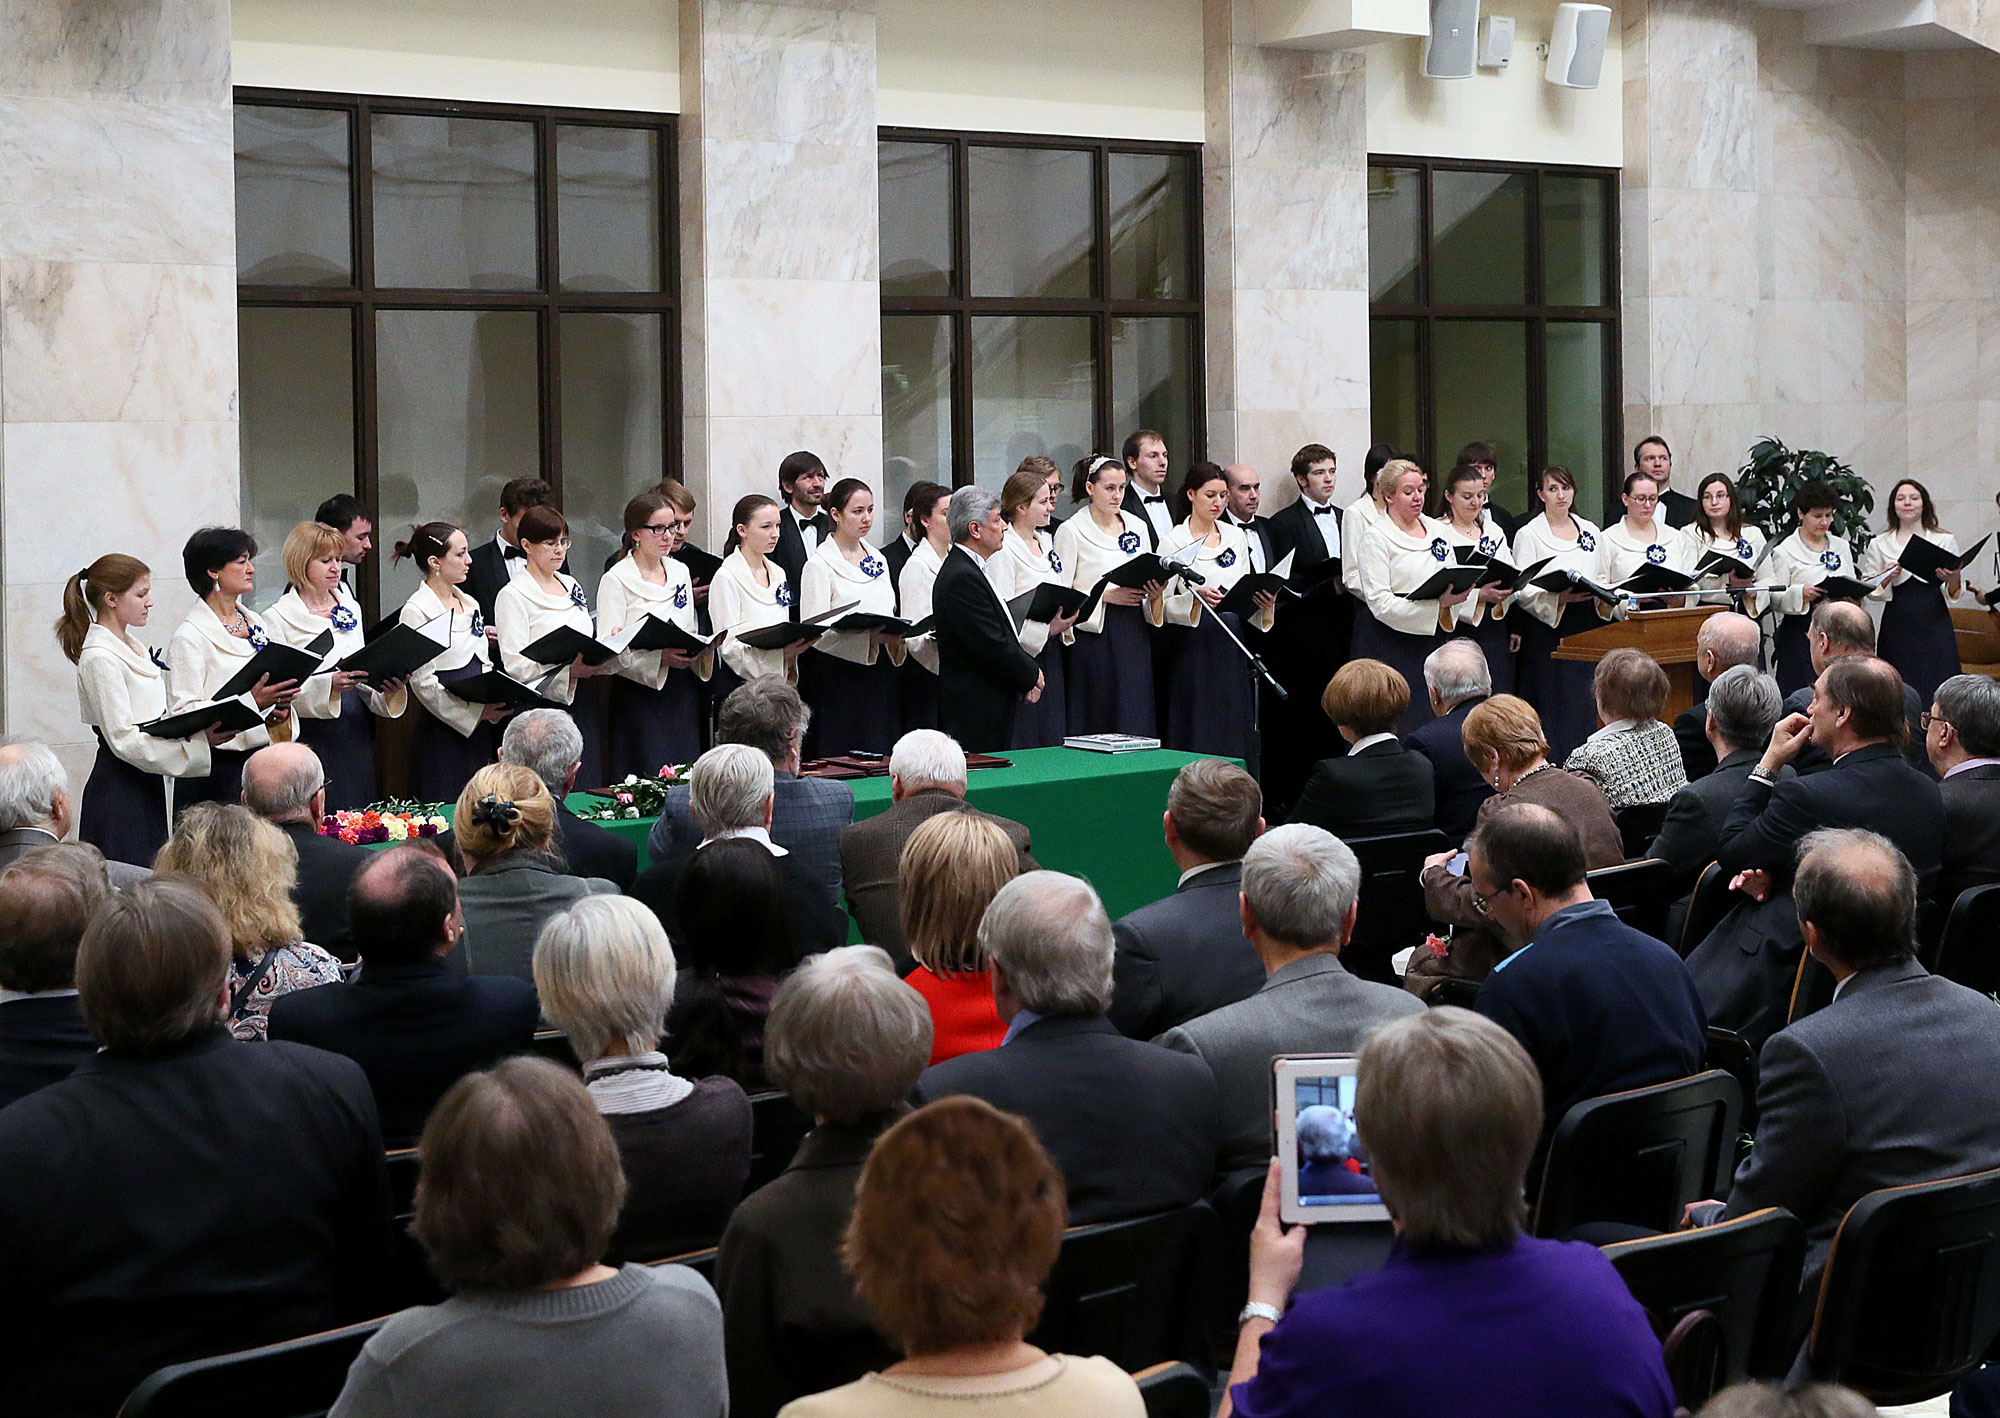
(1326, 1175)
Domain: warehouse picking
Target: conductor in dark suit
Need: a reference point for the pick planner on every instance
(285, 785)
(1309, 640)
(1132, 1126)
(982, 668)
(1377, 788)
(497, 562)
(415, 1025)
(802, 525)
(47, 898)
(1963, 740)
(1186, 954)
(1456, 677)
(1724, 641)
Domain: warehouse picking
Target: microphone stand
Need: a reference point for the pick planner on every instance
(1253, 760)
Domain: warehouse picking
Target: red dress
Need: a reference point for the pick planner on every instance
(963, 1019)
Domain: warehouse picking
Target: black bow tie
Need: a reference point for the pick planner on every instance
(1326, 511)
(819, 521)
(510, 553)
(1159, 497)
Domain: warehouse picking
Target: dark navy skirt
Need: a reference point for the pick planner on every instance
(346, 749)
(124, 809)
(1492, 636)
(1110, 680)
(854, 707)
(647, 728)
(1918, 639)
(224, 783)
(1402, 652)
(1560, 690)
(1794, 654)
(442, 760)
(919, 697)
(1044, 723)
(1212, 704)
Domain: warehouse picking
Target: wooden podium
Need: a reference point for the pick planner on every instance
(1666, 637)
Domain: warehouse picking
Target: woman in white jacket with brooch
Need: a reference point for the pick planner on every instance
(914, 587)
(1212, 701)
(1483, 617)
(456, 737)
(750, 592)
(1111, 666)
(1025, 560)
(655, 710)
(1560, 690)
(1801, 562)
(850, 676)
(1398, 555)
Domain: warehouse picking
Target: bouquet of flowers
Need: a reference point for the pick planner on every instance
(637, 797)
(391, 821)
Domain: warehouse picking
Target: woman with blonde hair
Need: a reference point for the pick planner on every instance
(505, 826)
(1396, 557)
(951, 869)
(336, 708)
(249, 869)
(1375, 786)
(1027, 558)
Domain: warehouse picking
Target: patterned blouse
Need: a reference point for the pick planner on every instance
(293, 967)
(1634, 761)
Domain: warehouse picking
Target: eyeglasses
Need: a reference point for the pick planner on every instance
(1479, 903)
(1927, 718)
(655, 527)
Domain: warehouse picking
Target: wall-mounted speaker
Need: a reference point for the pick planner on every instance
(1576, 48)
(1452, 49)
(1496, 41)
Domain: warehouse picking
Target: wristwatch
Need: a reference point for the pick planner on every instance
(1258, 1310)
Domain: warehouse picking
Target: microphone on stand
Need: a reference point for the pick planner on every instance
(1185, 568)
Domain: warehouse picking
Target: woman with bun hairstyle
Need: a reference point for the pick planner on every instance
(515, 875)
(336, 710)
(925, 507)
(656, 695)
(851, 676)
(750, 592)
(1027, 558)
(1110, 676)
(456, 736)
(545, 599)
(122, 684)
(1212, 701)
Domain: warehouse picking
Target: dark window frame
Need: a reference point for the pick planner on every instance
(961, 306)
(1536, 314)
(548, 303)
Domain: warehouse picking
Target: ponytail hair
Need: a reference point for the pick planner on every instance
(110, 575)
(432, 539)
(745, 509)
(638, 512)
(1085, 473)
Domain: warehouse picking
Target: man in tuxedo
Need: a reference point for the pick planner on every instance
(1724, 641)
(1132, 1127)
(349, 516)
(1962, 736)
(1309, 640)
(35, 807)
(285, 785)
(1145, 454)
(46, 900)
(1836, 630)
(499, 561)
(1246, 491)
(414, 1024)
(982, 668)
(802, 526)
(1185, 955)
(1456, 677)
(1653, 458)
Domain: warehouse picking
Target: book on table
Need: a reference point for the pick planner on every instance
(1111, 743)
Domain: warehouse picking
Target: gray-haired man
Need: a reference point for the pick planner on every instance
(982, 668)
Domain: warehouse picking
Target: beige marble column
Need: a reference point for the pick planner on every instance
(1285, 237)
(117, 318)
(782, 309)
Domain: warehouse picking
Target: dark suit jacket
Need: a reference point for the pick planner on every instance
(872, 849)
(896, 552)
(806, 820)
(591, 850)
(814, 925)
(414, 1029)
(213, 1196)
(982, 669)
(1692, 831)
(13, 843)
(1267, 539)
(1678, 508)
(1131, 1126)
(1382, 790)
(326, 869)
(1457, 790)
(1293, 530)
(1691, 733)
(1872, 787)
(42, 1040)
(1812, 759)
(1971, 831)
(1183, 955)
(1744, 968)
(791, 552)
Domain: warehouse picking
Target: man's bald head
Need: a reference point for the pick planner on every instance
(1246, 491)
(281, 782)
(1725, 641)
(1839, 628)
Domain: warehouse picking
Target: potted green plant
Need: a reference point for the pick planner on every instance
(1773, 475)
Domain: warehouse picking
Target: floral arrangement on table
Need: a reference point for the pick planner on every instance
(391, 821)
(637, 797)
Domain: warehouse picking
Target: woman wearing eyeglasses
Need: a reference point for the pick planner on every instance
(533, 604)
(1639, 539)
(655, 715)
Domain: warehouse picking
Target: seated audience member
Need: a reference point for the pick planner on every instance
(182, 1193)
(1741, 710)
(1632, 756)
(549, 742)
(504, 826)
(1328, 1164)
(957, 1221)
(809, 814)
(953, 866)
(1599, 1006)
(1448, 1108)
(735, 946)
(926, 777)
(846, 1041)
(1456, 677)
(35, 806)
(1131, 1126)
(248, 869)
(415, 1025)
(285, 785)
(1300, 885)
(1185, 954)
(1962, 736)
(1503, 739)
(605, 973)
(731, 797)
(47, 897)
(1377, 787)
(519, 1194)
(1896, 1081)
(1842, 630)
(1754, 1400)
(1724, 641)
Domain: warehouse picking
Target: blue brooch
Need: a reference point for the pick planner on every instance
(258, 639)
(871, 567)
(1830, 559)
(1228, 557)
(478, 622)
(1488, 545)
(1439, 549)
(784, 593)
(1656, 554)
(680, 598)
(1743, 549)
(1055, 562)
(1128, 542)
(1585, 540)
(344, 619)
(157, 658)
(578, 599)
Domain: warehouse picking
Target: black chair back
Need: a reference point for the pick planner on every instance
(1910, 1301)
(1731, 1052)
(1452, 990)
(1638, 825)
(1173, 1391)
(1236, 1201)
(1641, 1156)
(1391, 903)
(777, 1127)
(1707, 905)
(1640, 892)
(1130, 1290)
(404, 1166)
(1744, 1273)
(299, 1378)
(702, 1263)
(1969, 949)
(1692, 1352)
(408, 1280)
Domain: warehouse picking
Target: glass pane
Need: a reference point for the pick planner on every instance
(1395, 232)
(1479, 238)
(1480, 386)
(1031, 222)
(608, 208)
(916, 405)
(1150, 197)
(613, 428)
(292, 226)
(454, 203)
(297, 431)
(1573, 239)
(915, 186)
(1152, 382)
(1394, 414)
(1032, 382)
(456, 417)
(1576, 409)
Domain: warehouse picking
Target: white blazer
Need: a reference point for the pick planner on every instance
(202, 656)
(1493, 542)
(1222, 565)
(1359, 518)
(1747, 547)
(293, 624)
(119, 688)
(625, 597)
(1087, 552)
(918, 581)
(1799, 566)
(461, 629)
(1394, 561)
(736, 603)
(1884, 548)
(524, 612)
(830, 579)
(1535, 539)
(1017, 569)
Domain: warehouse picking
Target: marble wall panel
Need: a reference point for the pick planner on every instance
(1310, 234)
(743, 455)
(787, 73)
(1701, 132)
(1789, 339)
(1699, 243)
(1943, 351)
(784, 346)
(773, 204)
(145, 51)
(1842, 352)
(1266, 439)
(1884, 340)
(1704, 348)
(1304, 354)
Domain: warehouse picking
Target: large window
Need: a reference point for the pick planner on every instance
(436, 298)
(1494, 301)
(1038, 296)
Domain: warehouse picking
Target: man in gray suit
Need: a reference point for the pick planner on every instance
(1743, 707)
(1300, 885)
(35, 807)
(1962, 737)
